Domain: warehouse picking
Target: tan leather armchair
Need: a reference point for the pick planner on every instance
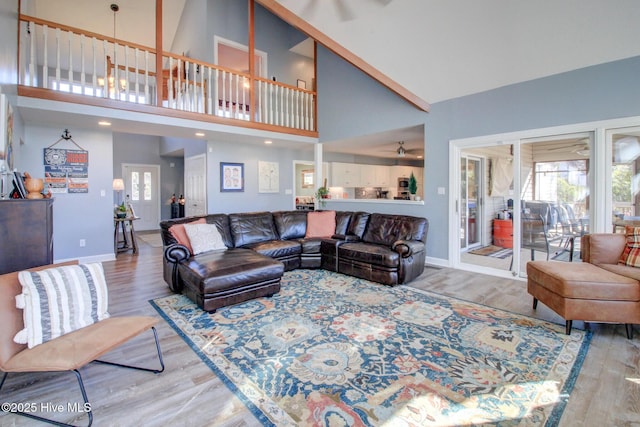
(68, 352)
(596, 290)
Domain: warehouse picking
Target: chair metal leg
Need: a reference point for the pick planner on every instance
(535, 303)
(139, 368)
(85, 407)
(629, 329)
(568, 325)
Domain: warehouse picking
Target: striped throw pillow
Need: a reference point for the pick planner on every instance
(631, 254)
(60, 300)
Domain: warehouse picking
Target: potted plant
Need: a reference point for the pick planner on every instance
(413, 186)
(322, 193)
(121, 210)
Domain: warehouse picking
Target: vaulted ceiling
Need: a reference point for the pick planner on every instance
(437, 49)
(446, 49)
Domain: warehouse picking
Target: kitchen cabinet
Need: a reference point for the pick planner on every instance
(368, 176)
(357, 175)
(345, 174)
(383, 174)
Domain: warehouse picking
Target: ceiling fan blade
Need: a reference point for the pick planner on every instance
(309, 9)
(383, 2)
(343, 11)
(567, 147)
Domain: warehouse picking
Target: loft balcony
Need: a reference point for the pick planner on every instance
(69, 64)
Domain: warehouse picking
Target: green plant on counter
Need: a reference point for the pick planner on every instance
(321, 195)
(413, 184)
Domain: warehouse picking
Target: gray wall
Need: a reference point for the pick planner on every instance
(351, 103)
(229, 19)
(600, 92)
(595, 93)
(86, 216)
(250, 200)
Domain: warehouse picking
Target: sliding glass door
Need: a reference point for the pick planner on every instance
(554, 193)
(485, 188)
(625, 178)
(470, 200)
(530, 202)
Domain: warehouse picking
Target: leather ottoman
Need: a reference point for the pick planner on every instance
(219, 278)
(583, 291)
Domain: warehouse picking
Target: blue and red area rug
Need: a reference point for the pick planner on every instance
(335, 350)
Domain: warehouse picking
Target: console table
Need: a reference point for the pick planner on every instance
(128, 242)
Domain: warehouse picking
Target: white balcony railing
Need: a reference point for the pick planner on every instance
(62, 58)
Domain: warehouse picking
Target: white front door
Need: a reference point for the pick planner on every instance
(142, 190)
(195, 185)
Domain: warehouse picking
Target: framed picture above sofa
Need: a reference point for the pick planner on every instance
(231, 176)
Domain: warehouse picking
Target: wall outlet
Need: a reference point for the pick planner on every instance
(83, 243)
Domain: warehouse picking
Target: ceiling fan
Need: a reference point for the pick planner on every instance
(580, 147)
(345, 12)
(402, 151)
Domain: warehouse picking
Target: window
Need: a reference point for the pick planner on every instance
(64, 86)
(564, 182)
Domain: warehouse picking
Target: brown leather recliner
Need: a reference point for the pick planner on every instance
(391, 251)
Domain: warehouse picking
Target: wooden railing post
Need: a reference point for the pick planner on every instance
(252, 71)
(159, 51)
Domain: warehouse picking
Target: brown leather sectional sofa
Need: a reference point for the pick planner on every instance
(388, 249)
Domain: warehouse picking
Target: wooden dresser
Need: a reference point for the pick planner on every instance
(26, 227)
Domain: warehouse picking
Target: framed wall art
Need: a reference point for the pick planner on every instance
(231, 176)
(268, 177)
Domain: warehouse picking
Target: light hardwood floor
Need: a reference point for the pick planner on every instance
(607, 392)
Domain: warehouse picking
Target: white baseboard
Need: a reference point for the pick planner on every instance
(89, 259)
(439, 262)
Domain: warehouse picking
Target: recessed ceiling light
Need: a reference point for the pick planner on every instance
(199, 133)
(268, 141)
(104, 123)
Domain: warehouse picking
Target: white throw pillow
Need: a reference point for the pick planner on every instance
(204, 237)
(60, 300)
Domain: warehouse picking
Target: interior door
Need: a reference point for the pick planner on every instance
(195, 185)
(142, 190)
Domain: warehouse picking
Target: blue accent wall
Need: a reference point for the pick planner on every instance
(350, 103)
(600, 92)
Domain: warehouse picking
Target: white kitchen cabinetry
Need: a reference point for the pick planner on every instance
(345, 174)
(357, 175)
(368, 176)
(383, 176)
